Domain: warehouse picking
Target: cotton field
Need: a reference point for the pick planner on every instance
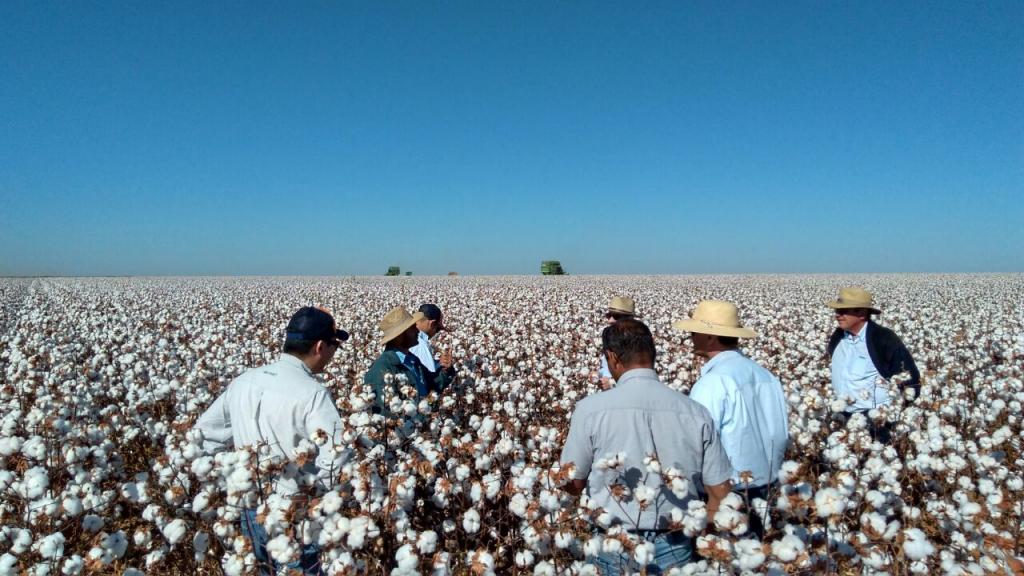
(102, 473)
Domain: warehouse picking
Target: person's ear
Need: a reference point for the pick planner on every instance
(612, 357)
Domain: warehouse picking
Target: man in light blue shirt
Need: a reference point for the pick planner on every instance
(854, 376)
(746, 401)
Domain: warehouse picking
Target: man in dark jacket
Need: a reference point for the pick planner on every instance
(865, 356)
(399, 335)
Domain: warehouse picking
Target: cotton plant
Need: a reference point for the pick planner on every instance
(102, 472)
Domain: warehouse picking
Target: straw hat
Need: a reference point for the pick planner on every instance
(717, 318)
(854, 297)
(396, 321)
(622, 305)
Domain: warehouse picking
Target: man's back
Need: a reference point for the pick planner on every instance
(642, 417)
(279, 405)
(749, 407)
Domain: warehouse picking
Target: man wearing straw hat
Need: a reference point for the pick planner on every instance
(745, 400)
(620, 308)
(864, 355)
(399, 335)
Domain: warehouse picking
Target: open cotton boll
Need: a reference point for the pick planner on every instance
(829, 502)
(788, 548)
(51, 546)
(916, 545)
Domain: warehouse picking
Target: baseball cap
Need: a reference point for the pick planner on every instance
(313, 323)
(432, 312)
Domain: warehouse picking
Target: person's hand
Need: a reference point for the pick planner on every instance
(606, 383)
(446, 360)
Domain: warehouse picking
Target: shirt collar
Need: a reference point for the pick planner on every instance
(423, 337)
(636, 373)
(856, 337)
(295, 362)
(718, 359)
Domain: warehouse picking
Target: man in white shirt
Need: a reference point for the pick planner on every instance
(638, 419)
(279, 406)
(745, 400)
(430, 325)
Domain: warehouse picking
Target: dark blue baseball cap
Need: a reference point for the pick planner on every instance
(313, 323)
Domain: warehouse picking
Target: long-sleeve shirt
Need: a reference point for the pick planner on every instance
(750, 413)
(424, 352)
(279, 405)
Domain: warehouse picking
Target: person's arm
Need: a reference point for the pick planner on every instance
(374, 377)
(716, 493)
(322, 415)
(578, 451)
(215, 424)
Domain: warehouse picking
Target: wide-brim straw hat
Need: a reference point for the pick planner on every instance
(717, 318)
(396, 321)
(854, 297)
(622, 305)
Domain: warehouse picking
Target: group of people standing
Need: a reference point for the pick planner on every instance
(729, 434)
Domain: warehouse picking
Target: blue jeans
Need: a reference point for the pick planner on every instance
(309, 559)
(670, 549)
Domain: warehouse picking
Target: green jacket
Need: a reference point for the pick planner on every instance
(389, 363)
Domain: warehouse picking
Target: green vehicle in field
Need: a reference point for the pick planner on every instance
(551, 268)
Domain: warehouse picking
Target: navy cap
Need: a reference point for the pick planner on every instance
(311, 323)
(432, 312)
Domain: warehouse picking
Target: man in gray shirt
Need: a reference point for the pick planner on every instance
(614, 435)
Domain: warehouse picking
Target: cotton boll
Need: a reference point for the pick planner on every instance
(8, 565)
(51, 546)
(174, 531)
(916, 545)
(788, 548)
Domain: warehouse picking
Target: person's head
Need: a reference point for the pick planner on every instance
(852, 319)
(853, 308)
(714, 327)
(620, 308)
(399, 330)
(432, 321)
(627, 344)
(313, 337)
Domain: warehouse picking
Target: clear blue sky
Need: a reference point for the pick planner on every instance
(483, 137)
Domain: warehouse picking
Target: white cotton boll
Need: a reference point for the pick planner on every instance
(564, 539)
(788, 471)
(155, 557)
(35, 483)
(593, 546)
(174, 531)
(829, 502)
(544, 568)
(524, 558)
(202, 467)
(20, 541)
(730, 520)
(73, 566)
(788, 548)
(10, 445)
(611, 546)
(406, 559)
(750, 554)
(283, 549)
(72, 506)
(471, 521)
(644, 553)
(8, 565)
(644, 495)
(51, 547)
(92, 523)
(695, 519)
(916, 545)
(426, 542)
